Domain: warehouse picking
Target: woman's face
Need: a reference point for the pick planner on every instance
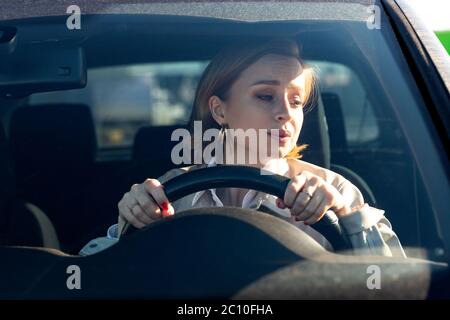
(269, 94)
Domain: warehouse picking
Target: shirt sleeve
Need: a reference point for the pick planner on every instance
(102, 243)
(368, 230)
(370, 233)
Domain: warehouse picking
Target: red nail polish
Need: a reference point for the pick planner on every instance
(165, 206)
(306, 223)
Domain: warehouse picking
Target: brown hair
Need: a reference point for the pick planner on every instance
(225, 68)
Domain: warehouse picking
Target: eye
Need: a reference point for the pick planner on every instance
(265, 97)
(297, 102)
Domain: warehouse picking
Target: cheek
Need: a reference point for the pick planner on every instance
(297, 122)
(248, 115)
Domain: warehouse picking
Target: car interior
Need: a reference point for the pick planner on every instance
(60, 182)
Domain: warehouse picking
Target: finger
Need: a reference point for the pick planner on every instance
(148, 205)
(311, 207)
(156, 190)
(126, 214)
(292, 189)
(300, 204)
(156, 213)
(320, 212)
(310, 188)
(169, 212)
(129, 200)
(141, 215)
(280, 204)
(303, 198)
(166, 210)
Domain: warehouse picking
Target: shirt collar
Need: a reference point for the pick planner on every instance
(252, 198)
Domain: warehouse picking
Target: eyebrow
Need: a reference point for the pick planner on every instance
(275, 83)
(269, 82)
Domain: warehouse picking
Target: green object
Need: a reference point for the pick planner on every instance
(444, 37)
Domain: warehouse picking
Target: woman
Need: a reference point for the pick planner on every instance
(263, 85)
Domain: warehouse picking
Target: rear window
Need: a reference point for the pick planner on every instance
(125, 98)
(359, 119)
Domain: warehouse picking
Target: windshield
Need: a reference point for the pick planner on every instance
(143, 63)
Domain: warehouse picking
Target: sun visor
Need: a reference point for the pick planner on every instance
(41, 67)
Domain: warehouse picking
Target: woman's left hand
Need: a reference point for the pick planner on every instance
(309, 197)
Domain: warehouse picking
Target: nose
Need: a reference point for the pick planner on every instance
(283, 110)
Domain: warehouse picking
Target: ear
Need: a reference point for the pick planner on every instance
(217, 109)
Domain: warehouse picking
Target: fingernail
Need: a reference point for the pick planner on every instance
(306, 223)
(165, 214)
(165, 206)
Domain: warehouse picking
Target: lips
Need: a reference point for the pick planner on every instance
(282, 135)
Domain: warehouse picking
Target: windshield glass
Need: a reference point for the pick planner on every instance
(143, 65)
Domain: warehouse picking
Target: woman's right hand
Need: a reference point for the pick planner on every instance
(144, 204)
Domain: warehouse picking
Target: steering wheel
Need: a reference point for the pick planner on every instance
(223, 176)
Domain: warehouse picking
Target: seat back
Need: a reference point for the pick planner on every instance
(50, 138)
(152, 151)
(336, 125)
(339, 147)
(315, 134)
(53, 148)
(20, 223)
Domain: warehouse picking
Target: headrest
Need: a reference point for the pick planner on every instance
(154, 143)
(315, 134)
(335, 121)
(51, 136)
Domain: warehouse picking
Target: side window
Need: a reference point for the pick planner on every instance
(359, 122)
(125, 98)
(368, 143)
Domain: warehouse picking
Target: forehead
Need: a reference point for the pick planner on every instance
(286, 70)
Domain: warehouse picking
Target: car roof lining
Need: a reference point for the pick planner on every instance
(233, 10)
(126, 34)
